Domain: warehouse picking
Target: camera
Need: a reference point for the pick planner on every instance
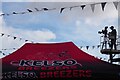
(100, 32)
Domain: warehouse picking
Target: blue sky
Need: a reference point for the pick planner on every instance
(78, 26)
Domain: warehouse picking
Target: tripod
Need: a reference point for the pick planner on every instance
(105, 42)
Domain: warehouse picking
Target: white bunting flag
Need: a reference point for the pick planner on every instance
(92, 7)
(115, 4)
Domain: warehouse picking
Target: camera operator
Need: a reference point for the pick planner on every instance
(105, 31)
(113, 35)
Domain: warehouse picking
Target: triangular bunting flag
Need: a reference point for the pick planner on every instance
(3, 53)
(8, 35)
(71, 8)
(15, 13)
(81, 47)
(13, 48)
(92, 7)
(98, 46)
(23, 12)
(93, 47)
(45, 9)
(83, 6)
(103, 5)
(5, 49)
(2, 14)
(100, 58)
(2, 34)
(7, 14)
(115, 4)
(26, 40)
(61, 10)
(14, 37)
(36, 9)
(20, 38)
(29, 10)
(87, 47)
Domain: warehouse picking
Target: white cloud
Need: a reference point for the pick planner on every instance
(32, 35)
(35, 35)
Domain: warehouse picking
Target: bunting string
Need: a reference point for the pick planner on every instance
(81, 47)
(9, 49)
(103, 4)
(4, 53)
(26, 40)
(92, 47)
(14, 37)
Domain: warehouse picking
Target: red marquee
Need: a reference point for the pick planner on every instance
(56, 60)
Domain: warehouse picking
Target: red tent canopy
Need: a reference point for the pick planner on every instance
(56, 60)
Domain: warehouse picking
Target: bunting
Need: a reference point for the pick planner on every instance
(45, 9)
(103, 4)
(14, 37)
(4, 54)
(62, 10)
(26, 40)
(36, 9)
(83, 6)
(115, 4)
(29, 10)
(93, 47)
(73, 7)
(92, 7)
(9, 49)
(87, 47)
(98, 46)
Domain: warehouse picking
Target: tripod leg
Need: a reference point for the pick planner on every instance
(103, 45)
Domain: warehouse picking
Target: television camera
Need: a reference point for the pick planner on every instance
(103, 31)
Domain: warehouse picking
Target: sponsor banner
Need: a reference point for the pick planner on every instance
(35, 69)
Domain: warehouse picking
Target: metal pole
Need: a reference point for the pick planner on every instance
(118, 29)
